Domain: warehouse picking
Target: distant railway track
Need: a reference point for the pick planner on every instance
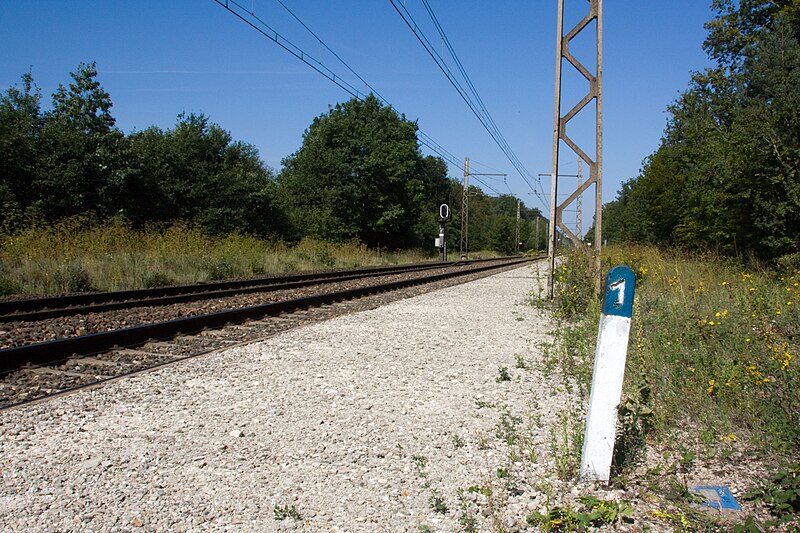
(32, 367)
(35, 309)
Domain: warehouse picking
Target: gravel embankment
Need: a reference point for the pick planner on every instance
(18, 333)
(366, 422)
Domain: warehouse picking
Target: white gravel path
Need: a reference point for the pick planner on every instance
(360, 423)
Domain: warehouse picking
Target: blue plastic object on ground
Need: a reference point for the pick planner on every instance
(716, 497)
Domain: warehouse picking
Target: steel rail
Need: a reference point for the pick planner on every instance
(200, 292)
(58, 351)
(56, 306)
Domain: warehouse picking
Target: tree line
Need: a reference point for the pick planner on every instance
(359, 175)
(725, 175)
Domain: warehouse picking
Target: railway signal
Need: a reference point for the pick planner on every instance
(441, 241)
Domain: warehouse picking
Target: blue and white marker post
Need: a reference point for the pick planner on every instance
(609, 371)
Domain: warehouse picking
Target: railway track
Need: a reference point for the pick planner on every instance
(36, 368)
(56, 306)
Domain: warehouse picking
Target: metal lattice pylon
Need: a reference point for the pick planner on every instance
(463, 245)
(560, 135)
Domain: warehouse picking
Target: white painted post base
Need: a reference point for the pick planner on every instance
(601, 420)
(608, 374)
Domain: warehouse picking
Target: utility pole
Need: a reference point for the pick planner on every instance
(516, 242)
(560, 135)
(579, 202)
(464, 241)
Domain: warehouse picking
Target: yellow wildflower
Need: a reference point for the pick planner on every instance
(700, 288)
(727, 438)
(711, 384)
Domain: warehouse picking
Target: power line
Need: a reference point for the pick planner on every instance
(498, 193)
(267, 31)
(477, 106)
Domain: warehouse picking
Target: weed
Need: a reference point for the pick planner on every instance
(114, 256)
(282, 512)
(8, 287)
(485, 489)
(520, 362)
(437, 502)
(157, 279)
(466, 518)
(481, 404)
(529, 442)
(566, 443)
(435, 498)
(635, 422)
(596, 513)
(503, 375)
(506, 428)
(781, 493)
(482, 440)
(73, 277)
(458, 441)
(574, 285)
(502, 473)
(420, 462)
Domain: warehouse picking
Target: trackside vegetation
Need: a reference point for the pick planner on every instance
(726, 176)
(78, 255)
(711, 227)
(359, 177)
(712, 371)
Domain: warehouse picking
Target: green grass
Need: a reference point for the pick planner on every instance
(712, 368)
(77, 256)
(713, 347)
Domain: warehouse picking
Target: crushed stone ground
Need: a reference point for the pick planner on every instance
(435, 413)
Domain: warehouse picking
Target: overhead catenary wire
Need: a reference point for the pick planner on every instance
(498, 193)
(474, 102)
(242, 12)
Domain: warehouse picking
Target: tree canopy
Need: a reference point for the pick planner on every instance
(73, 160)
(726, 172)
(359, 175)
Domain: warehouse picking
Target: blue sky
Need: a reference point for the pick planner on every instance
(160, 58)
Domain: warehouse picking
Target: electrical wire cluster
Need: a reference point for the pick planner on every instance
(249, 17)
(254, 21)
(466, 89)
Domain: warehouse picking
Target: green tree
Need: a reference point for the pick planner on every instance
(196, 171)
(502, 234)
(80, 166)
(726, 173)
(359, 175)
(20, 132)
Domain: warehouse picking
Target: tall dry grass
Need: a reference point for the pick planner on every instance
(77, 255)
(713, 351)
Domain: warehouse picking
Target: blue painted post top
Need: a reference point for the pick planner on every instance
(618, 297)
